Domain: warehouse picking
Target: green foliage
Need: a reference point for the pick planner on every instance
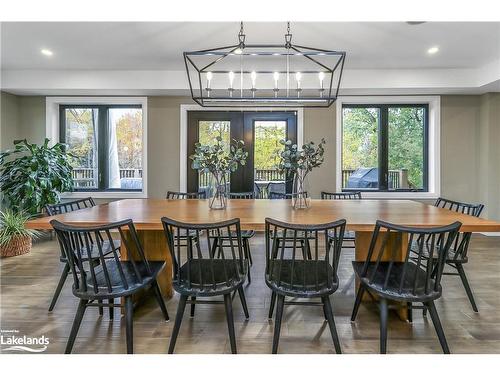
(310, 157)
(267, 146)
(33, 176)
(360, 140)
(406, 143)
(12, 225)
(216, 159)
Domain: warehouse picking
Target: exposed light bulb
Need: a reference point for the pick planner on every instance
(276, 77)
(433, 50)
(321, 77)
(209, 79)
(238, 51)
(253, 76)
(231, 79)
(46, 52)
(298, 77)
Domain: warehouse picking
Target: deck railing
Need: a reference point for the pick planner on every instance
(87, 177)
(398, 178)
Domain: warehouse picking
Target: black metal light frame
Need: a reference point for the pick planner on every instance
(207, 97)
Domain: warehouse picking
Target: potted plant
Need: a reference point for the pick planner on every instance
(299, 162)
(219, 162)
(15, 239)
(32, 176)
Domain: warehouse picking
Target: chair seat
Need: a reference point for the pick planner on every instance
(133, 281)
(451, 258)
(94, 253)
(316, 278)
(392, 291)
(206, 283)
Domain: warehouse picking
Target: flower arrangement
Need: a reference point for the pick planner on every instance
(300, 162)
(219, 163)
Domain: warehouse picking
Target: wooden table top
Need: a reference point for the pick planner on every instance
(360, 214)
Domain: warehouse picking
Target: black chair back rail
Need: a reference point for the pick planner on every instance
(180, 195)
(343, 195)
(243, 195)
(69, 206)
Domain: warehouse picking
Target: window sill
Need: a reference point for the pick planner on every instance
(399, 195)
(104, 194)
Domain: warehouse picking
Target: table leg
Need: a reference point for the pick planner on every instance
(362, 246)
(155, 247)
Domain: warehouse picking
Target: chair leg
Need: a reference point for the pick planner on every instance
(101, 309)
(359, 298)
(243, 302)
(246, 245)
(59, 287)
(177, 325)
(159, 299)
(271, 306)
(277, 322)
(129, 325)
(438, 327)
(193, 306)
(327, 309)
(228, 304)
(383, 325)
(468, 290)
(410, 312)
(76, 325)
(111, 302)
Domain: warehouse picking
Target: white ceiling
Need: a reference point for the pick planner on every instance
(377, 52)
(159, 46)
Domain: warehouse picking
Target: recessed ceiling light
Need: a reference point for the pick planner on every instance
(433, 50)
(46, 52)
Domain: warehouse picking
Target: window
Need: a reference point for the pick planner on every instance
(107, 141)
(385, 147)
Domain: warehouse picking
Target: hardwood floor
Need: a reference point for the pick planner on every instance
(28, 281)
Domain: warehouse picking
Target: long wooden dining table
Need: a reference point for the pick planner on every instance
(361, 216)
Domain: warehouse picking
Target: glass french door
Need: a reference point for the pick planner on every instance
(261, 131)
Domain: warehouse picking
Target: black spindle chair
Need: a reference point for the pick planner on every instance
(410, 280)
(62, 208)
(457, 255)
(350, 236)
(180, 195)
(112, 277)
(293, 274)
(198, 273)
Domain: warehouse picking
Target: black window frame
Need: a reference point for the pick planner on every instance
(102, 143)
(383, 146)
(242, 127)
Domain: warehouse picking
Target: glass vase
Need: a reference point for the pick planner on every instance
(217, 194)
(301, 198)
